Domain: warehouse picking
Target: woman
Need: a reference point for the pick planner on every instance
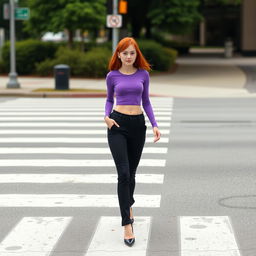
(129, 80)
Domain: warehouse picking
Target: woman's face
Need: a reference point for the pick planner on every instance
(128, 56)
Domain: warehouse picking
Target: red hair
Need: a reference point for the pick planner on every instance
(140, 62)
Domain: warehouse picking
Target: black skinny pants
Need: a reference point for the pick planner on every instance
(126, 144)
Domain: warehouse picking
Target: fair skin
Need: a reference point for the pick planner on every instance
(128, 57)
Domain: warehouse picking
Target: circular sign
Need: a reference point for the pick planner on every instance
(114, 21)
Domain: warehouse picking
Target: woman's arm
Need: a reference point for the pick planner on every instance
(110, 96)
(146, 101)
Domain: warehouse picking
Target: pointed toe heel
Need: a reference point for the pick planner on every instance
(129, 242)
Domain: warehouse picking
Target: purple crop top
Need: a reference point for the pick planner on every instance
(129, 90)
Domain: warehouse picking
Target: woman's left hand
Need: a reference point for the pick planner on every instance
(157, 134)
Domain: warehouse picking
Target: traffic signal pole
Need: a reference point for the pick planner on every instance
(13, 82)
(115, 31)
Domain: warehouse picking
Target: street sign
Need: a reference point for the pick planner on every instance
(22, 13)
(114, 21)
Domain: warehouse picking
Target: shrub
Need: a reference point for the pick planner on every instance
(160, 58)
(28, 53)
(90, 64)
(95, 63)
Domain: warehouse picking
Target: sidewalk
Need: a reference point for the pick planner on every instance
(194, 77)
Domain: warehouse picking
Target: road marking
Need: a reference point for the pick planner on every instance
(75, 178)
(67, 124)
(70, 131)
(74, 200)
(66, 118)
(67, 140)
(75, 163)
(66, 113)
(64, 108)
(108, 238)
(71, 150)
(34, 236)
(207, 236)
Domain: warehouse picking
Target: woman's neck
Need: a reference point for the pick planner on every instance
(127, 69)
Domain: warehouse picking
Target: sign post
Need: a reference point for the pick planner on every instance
(115, 33)
(13, 82)
(114, 21)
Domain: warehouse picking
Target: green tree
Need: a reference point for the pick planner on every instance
(59, 15)
(175, 16)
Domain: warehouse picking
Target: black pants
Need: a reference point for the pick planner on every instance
(126, 144)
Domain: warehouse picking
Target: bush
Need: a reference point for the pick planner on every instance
(45, 68)
(3, 68)
(160, 58)
(28, 52)
(90, 64)
(95, 63)
(63, 55)
(181, 47)
(172, 53)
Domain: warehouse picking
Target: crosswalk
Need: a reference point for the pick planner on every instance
(63, 142)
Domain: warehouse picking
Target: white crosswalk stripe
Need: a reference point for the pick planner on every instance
(67, 124)
(73, 150)
(73, 200)
(34, 236)
(75, 178)
(77, 162)
(73, 113)
(65, 131)
(67, 140)
(70, 118)
(108, 233)
(208, 236)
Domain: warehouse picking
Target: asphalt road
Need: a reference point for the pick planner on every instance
(195, 192)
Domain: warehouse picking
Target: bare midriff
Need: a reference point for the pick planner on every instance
(129, 109)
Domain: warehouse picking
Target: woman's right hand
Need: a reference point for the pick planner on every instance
(110, 122)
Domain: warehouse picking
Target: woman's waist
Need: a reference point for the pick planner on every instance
(129, 109)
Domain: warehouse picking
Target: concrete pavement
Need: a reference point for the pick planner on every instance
(194, 77)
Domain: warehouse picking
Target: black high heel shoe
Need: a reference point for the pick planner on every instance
(130, 241)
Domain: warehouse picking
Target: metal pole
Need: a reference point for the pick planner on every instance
(115, 31)
(13, 82)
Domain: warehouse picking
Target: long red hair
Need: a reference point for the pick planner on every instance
(140, 62)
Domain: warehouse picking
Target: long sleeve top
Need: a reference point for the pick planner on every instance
(129, 90)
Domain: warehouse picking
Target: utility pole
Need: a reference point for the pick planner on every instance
(13, 82)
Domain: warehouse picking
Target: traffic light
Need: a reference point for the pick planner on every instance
(122, 7)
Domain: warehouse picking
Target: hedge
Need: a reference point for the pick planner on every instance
(28, 53)
(36, 57)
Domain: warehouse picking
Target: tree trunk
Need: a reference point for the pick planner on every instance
(70, 38)
(148, 28)
(82, 40)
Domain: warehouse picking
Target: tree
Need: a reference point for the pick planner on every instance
(175, 16)
(58, 15)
